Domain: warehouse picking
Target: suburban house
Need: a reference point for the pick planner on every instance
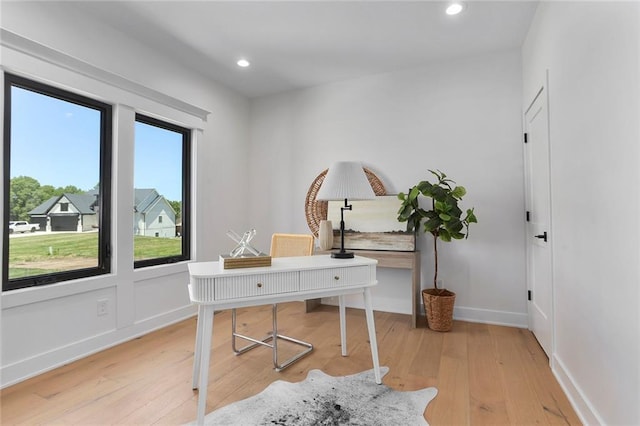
(401, 88)
(154, 216)
(67, 212)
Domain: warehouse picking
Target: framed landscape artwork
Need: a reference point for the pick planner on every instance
(371, 225)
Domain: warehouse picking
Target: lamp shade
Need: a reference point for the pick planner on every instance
(345, 179)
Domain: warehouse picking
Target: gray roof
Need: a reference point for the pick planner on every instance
(45, 207)
(82, 203)
(147, 197)
(144, 198)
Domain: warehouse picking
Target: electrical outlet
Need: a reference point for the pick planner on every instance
(103, 307)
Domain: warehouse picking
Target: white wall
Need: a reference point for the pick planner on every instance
(592, 52)
(462, 117)
(49, 326)
(254, 168)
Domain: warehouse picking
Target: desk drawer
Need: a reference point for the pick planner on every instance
(255, 285)
(336, 277)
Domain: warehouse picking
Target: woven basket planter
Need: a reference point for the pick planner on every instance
(438, 304)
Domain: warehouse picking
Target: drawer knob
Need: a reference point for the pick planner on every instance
(259, 285)
(336, 278)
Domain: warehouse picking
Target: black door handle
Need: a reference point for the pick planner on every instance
(543, 236)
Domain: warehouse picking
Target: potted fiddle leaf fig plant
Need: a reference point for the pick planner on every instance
(444, 220)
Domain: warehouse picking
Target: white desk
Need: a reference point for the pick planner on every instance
(287, 279)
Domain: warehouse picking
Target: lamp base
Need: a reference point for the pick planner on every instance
(342, 254)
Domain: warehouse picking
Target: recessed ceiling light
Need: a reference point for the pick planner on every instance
(454, 8)
(243, 63)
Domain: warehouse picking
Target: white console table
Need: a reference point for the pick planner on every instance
(392, 259)
(287, 279)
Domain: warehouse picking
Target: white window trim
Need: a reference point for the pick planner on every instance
(22, 56)
(44, 53)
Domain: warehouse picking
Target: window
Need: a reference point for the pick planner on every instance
(57, 151)
(162, 180)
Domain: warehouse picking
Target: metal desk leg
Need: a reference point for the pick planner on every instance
(205, 351)
(372, 334)
(273, 337)
(343, 325)
(196, 351)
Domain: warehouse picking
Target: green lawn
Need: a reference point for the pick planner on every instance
(44, 253)
(34, 248)
(153, 247)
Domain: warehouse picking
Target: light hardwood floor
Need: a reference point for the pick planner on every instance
(485, 374)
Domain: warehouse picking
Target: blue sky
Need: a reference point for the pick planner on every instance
(158, 160)
(57, 143)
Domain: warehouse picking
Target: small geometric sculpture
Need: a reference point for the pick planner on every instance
(243, 243)
(244, 255)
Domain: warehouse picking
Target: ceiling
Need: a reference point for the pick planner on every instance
(297, 44)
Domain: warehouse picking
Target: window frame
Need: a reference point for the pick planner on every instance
(105, 173)
(187, 138)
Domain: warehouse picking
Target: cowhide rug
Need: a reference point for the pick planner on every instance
(321, 399)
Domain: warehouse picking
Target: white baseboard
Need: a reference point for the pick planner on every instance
(41, 363)
(487, 316)
(583, 408)
(355, 301)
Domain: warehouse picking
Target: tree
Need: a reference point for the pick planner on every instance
(177, 207)
(46, 192)
(69, 189)
(24, 196)
(445, 220)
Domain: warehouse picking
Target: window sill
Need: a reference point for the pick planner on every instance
(156, 271)
(29, 295)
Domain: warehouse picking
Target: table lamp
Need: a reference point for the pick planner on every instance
(345, 180)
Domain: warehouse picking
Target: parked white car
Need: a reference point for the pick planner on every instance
(23, 226)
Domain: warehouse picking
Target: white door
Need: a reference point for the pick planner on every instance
(539, 276)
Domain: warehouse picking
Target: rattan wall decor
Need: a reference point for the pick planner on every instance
(315, 211)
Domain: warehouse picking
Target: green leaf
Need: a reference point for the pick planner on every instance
(459, 192)
(432, 224)
(438, 174)
(444, 235)
(455, 210)
(471, 217)
(413, 194)
(431, 214)
(445, 217)
(404, 213)
(439, 193)
(454, 225)
(424, 186)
